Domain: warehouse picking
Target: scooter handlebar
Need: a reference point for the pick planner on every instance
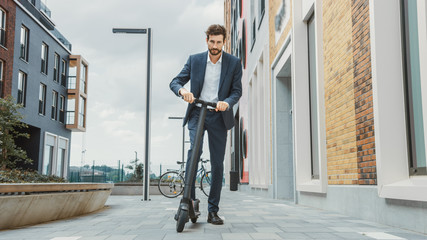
(212, 104)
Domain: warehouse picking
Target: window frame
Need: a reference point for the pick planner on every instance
(3, 18)
(82, 112)
(42, 99)
(253, 33)
(391, 136)
(313, 99)
(71, 111)
(63, 72)
(44, 58)
(54, 109)
(1, 77)
(22, 83)
(261, 12)
(56, 65)
(302, 11)
(61, 106)
(24, 47)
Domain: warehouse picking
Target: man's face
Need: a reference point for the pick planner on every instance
(215, 43)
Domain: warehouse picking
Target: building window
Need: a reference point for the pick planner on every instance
(253, 33)
(261, 11)
(56, 68)
(44, 58)
(61, 109)
(395, 145)
(412, 79)
(54, 114)
(49, 153)
(22, 86)
(83, 71)
(63, 73)
(72, 74)
(1, 79)
(82, 112)
(42, 99)
(62, 162)
(71, 108)
(2, 27)
(24, 43)
(314, 128)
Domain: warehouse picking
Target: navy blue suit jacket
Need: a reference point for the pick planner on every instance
(230, 85)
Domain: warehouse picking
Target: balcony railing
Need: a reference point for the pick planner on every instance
(72, 82)
(45, 9)
(70, 117)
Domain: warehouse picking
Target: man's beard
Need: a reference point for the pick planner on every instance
(214, 51)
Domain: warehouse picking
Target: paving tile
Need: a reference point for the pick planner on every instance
(268, 229)
(236, 236)
(381, 235)
(287, 235)
(352, 235)
(322, 236)
(265, 236)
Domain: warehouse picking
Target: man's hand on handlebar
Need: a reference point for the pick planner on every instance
(186, 95)
(221, 106)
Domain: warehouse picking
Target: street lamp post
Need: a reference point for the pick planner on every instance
(147, 109)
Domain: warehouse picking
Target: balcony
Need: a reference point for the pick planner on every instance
(77, 94)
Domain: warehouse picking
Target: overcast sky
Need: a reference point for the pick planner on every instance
(117, 72)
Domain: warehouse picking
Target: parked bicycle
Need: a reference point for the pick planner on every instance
(171, 183)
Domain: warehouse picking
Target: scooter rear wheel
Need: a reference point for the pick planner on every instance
(182, 219)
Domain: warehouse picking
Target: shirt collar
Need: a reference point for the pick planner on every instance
(219, 60)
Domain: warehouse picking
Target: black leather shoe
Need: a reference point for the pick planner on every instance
(214, 219)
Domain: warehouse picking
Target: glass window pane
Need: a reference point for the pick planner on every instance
(413, 86)
(47, 160)
(60, 162)
(313, 98)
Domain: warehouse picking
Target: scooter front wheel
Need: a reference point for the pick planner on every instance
(182, 219)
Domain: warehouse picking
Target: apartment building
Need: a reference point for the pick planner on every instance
(49, 81)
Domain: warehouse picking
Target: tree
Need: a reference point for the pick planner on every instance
(10, 126)
(138, 171)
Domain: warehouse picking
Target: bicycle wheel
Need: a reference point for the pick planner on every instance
(205, 183)
(171, 184)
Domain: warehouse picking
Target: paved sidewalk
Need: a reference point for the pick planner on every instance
(246, 217)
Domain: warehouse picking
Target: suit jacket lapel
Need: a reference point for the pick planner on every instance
(224, 68)
(202, 66)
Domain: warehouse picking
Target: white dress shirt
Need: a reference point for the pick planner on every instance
(211, 84)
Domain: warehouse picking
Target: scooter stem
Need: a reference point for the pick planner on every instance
(194, 155)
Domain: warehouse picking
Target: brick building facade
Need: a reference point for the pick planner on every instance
(6, 50)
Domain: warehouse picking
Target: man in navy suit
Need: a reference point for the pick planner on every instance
(215, 77)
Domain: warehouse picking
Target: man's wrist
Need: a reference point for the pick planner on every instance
(179, 91)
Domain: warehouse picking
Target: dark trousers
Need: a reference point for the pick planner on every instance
(217, 136)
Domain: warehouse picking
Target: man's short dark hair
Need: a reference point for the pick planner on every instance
(216, 29)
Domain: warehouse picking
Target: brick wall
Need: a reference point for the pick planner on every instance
(6, 53)
(348, 92)
(363, 92)
(339, 92)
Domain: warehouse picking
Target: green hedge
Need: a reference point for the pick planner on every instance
(27, 176)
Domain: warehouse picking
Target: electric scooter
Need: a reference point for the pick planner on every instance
(188, 209)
